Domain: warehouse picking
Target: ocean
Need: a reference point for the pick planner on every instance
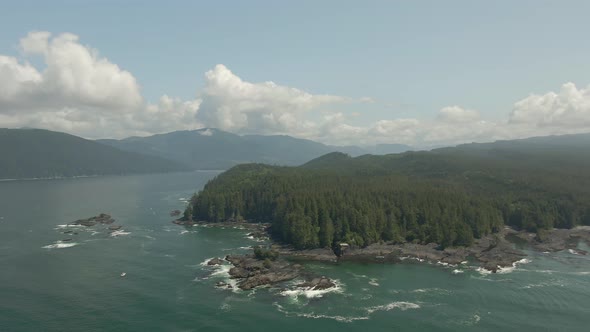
(52, 279)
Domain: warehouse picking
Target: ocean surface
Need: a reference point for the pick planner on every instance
(50, 284)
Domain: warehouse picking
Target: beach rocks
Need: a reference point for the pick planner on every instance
(175, 213)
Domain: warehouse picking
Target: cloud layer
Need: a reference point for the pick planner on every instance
(81, 92)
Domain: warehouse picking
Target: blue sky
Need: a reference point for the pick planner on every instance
(413, 58)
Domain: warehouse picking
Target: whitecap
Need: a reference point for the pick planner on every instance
(60, 245)
(457, 271)
(373, 282)
(119, 233)
(313, 315)
(483, 271)
(394, 305)
(183, 232)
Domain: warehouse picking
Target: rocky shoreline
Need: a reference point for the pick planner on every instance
(492, 252)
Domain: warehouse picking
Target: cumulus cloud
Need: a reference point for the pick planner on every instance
(456, 114)
(568, 109)
(229, 103)
(80, 92)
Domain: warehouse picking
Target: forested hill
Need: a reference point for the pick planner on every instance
(36, 153)
(447, 196)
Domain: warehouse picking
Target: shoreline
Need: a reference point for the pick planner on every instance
(493, 251)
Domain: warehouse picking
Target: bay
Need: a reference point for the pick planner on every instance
(50, 283)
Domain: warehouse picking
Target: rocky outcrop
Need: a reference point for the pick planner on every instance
(555, 239)
(319, 255)
(102, 218)
(318, 284)
(215, 261)
(251, 272)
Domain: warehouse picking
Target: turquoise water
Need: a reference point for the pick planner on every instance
(46, 285)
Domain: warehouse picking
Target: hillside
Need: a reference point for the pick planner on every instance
(447, 196)
(36, 153)
(217, 149)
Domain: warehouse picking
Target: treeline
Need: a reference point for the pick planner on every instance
(442, 198)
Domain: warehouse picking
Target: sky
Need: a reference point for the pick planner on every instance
(423, 73)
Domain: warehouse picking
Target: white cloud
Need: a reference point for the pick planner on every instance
(229, 103)
(456, 114)
(567, 109)
(80, 92)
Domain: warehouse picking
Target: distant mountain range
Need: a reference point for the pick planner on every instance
(37, 153)
(215, 149)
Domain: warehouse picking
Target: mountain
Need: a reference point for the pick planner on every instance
(37, 153)
(447, 196)
(390, 148)
(216, 149)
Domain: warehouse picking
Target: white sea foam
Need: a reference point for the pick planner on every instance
(457, 271)
(311, 293)
(60, 245)
(394, 305)
(68, 226)
(373, 282)
(204, 263)
(572, 251)
(505, 269)
(483, 271)
(119, 233)
(222, 271)
(509, 269)
(549, 283)
(184, 232)
(357, 275)
(320, 316)
(431, 291)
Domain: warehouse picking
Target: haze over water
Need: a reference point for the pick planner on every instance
(48, 284)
